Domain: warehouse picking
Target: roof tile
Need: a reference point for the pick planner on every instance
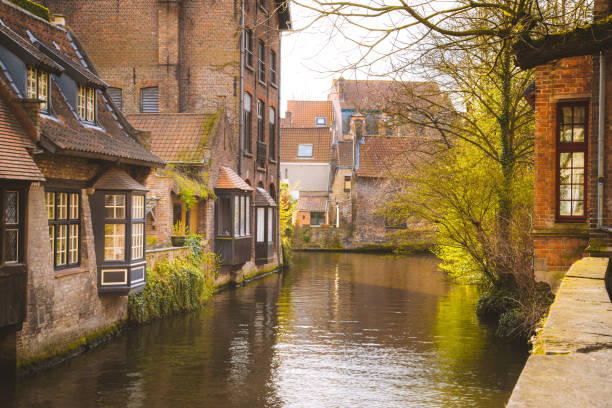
(380, 156)
(303, 113)
(312, 204)
(319, 138)
(229, 180)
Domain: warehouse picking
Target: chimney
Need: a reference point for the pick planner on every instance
(59, 20)
(288, 118)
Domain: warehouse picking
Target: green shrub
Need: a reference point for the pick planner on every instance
(33, 8)
(176, 286)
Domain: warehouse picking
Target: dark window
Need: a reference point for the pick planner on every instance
(262, 62)
(317, 218)
(149, 100)
(247, 123)
(272, 140)
(272, 67)
(347, 183)
(371, 124)
(37, 87)
(116, 94)
(260, 120)
(571, 161)
(248, 47)
(358, 129)
(64, 215)
(12, 217)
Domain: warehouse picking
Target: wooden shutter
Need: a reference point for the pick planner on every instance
(149, 100)
(116, 94)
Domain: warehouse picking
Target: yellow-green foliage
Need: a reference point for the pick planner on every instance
(34, 8)
(176, 286)
(191, 183)
(287, 210)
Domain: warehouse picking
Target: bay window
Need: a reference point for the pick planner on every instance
(37, 87)
(571, 161)
(233, 242)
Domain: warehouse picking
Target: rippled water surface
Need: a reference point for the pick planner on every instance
(337, 330)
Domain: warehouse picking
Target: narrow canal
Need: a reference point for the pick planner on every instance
(337, 330)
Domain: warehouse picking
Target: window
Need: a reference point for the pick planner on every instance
(86, 103)
(262, 62)
(260, 120)
(114, 233)
(371, 124)
(64, 216)
(138, 226)
(261, 224)
(272, 67)
(305, 151)
(320, 121)
(347, 183)
(11, 225)
(224, 217)
(247, 123)
(236, 216)
(317, 218)
(37, 87)
(248, 47)
(571, 161)
(116, 95)
(248, 215)
(149, 100)
(272, 125)
(270, 223)
(242, 216)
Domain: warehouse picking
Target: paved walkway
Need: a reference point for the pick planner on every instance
(573, 365)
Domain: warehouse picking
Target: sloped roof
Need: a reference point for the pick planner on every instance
(263, 198)
(181, 137)
(229, 180)
(344, 152)
(117, 179)
(312, 204)
(26, 50)
(112, 137)
(303, 113)
(380, 156)
(15, 162)
(319, 138)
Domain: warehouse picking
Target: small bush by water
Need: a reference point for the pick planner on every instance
(175, 286)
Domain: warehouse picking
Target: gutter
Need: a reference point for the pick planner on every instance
(277, 151)
(241, 96)
(600, 143)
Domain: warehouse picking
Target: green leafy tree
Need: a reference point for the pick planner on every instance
(287, 210)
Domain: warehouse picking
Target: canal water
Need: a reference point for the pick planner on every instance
(337, 330)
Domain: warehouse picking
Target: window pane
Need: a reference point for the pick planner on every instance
(248, 216)
(565, 160)
(137, 240)
(12, 207)
(31, 85)
(578, 115)
(138, 207)
(236, 216)
(62, 206)
(565, 192)
(242, 215)
(114, 205)
(566, 133)
(81, 102)
(91, 104)
(578, 134)
(577, 160)
(566, 115)
(305, 150)
(225, 217)
(43, 81)
(73, 253)
(74, 206)
(50, 203)
(51, 236)
(12, 245)
(578, 208)
(565, 208)
(61, 245)
(114, 242)
(261, 223)
(564, 177)
(270, 223)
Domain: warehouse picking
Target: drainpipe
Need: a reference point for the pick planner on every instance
(277, 151)
(241, 96)
(600, 142)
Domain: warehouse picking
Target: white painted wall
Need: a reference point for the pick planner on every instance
(306, 176)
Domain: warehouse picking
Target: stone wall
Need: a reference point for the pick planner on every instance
(155, 256)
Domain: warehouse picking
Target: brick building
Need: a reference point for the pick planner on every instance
(71, 177)
(307, 134)
(191, 57)
(573, 135)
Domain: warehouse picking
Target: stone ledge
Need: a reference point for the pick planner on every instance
(69, 272)
(575, 360)
(562, 230)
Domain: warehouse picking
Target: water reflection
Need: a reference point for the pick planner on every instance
(336, 330)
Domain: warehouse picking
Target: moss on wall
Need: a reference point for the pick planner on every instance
(33, 8)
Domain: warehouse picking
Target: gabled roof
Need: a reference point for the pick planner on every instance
(178, 137)
(53, 47)
(15, 161)
(229, 180)
(312, 204)
(319, 138)
(263, 198)
(381, 156)
(344, 153)
(303, 113)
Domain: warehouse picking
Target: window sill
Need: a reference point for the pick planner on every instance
(247, 154)
(249, 67)
(62, 273)
(262, 169)
(272, 161)
(563, 229)
(274, 85)
(262, 83)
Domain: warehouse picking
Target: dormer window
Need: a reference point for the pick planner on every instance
(320, 121)
(86, 103)
(38, 87)
(304, 151)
